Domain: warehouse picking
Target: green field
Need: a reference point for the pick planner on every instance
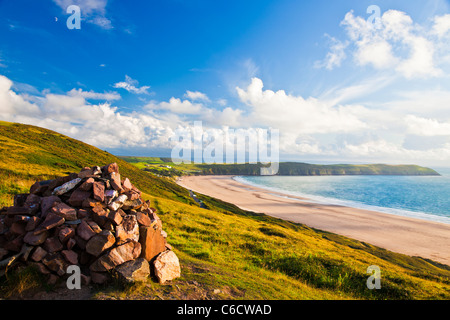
(225, 252)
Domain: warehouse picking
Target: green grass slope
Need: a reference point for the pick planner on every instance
(225, 252)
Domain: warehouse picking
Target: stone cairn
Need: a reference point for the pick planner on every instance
(92, 219)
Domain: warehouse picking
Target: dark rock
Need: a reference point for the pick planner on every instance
(47, 203)
(85, 231)
(52, 245)
(38, 254)
(63, 210)
(15, 244)
(35, 239)
(77, 197)
(70, 256)
(32, 223)
(51, 221)
(133, 270)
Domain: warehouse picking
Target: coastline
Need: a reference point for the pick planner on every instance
(411, 236)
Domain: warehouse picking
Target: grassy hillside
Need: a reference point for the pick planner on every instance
(159, 166)
(225, 252)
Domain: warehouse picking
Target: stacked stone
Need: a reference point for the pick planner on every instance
(93, 219)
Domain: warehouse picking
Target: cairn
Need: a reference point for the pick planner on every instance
(93, 219)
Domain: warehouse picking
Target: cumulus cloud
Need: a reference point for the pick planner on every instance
(426, 126)
(196, 95)
(310, 127)
(397, 44)
(108, 96)
(441, 25)
(131, 86)
(101, 125)
(295, 113)
(177, 106)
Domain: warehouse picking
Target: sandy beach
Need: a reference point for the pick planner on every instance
(406, 235)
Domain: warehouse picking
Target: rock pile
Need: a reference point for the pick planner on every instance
(94, 219)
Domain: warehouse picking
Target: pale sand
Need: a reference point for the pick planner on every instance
(406, 235)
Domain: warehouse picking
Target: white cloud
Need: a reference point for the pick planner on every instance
(398, 44)
(176, 106)
(309, 127)
(101, 125)
(108, 96)
(426, 126)
(336, 55)
(441, 25)
(196, 95)
(131, 86)
(294, 113)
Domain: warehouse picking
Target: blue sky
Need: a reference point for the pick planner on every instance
(136, 70)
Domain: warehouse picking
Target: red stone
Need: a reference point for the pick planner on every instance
(85, 172)
(56, 263)
(35, 239)
(114, 179)
(82, 213)
(51, 221)
(70, 256)
(126, 184)
(47, 203)
(77, 197)
(65, 234)
(109, 168)
(65, 211)
(100, 242)
(99, 191)
(143, 219)
(85, 231)
(153, 243)
(71, 243)
(117, 256)
(52, 245)
(38, 254)
(87, 185)
(115, 217)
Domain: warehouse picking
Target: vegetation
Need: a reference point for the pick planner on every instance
(160, 166)
(225, 252)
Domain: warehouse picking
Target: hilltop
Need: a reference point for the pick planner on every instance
(225, 252)
(165, 166)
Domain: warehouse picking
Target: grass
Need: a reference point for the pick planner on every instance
(225, 252)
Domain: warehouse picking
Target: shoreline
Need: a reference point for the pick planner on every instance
(411, 236)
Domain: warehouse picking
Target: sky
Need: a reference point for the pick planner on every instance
(342, 81)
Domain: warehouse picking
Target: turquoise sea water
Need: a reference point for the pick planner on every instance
(424, 197)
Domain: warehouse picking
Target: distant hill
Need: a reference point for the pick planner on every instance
(159, 165)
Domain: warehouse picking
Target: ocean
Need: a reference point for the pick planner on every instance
(423, 197)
